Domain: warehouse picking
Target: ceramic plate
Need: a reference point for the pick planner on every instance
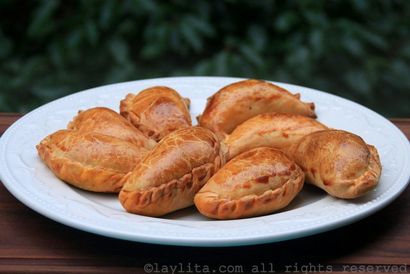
(28, 179)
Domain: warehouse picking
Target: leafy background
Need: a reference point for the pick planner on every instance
(357, 49)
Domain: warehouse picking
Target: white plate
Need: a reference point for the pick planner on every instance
(27, 178)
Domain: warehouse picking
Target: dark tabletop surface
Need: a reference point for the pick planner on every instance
(31, 243)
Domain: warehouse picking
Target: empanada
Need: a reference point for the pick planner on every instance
(170, 175)
(276, 130)
(156, 111)
(90, 161)
(237, 102)
(108, 122)
(339, 162)
(259, 181)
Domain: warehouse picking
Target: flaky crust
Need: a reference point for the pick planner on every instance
(339, 162)
(242, 100)
(169, 176)
(259, 181)
(108, 122)
(276, 130)
(89, 161)
(156, 111)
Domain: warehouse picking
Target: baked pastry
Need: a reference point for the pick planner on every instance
(169, 176)
(237, 102)
(259, 181)
(276, 130)
(90, 161)
(339, 162)
(108, 122)
(156, 111)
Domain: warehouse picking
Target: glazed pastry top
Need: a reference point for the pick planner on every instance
(156, 111)
(277, 130)
(108, 122)
(252, 173)
(242, 100)
(175, 156)
(339, 162)
(259, 181)
(93, 150)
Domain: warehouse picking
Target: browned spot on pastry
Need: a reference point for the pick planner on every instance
(146, 198)
(150, 133)
(351, 174)
(202, 177)
(214, 209)
(263, 179)
(313, 171)
(188, 184)
(327, 182)
(248, 204)
(157, 194)
(267, 200)
(284, 173)
(225, 208)
(274, 97)
(285, 135)
(58, 166)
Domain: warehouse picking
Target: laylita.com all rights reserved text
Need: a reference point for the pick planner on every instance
(272, 268)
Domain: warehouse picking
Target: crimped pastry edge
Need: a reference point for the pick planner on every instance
(209, 204)
(103, 180)
(142, 202)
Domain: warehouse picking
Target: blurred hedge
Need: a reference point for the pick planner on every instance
(358, 49)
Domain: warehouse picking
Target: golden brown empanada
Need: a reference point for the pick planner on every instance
(156, 111)
(170, 175)
(90, 161)
(108, 122)
(237, 102)
(256, 182)
(276, 130)
(339, 162)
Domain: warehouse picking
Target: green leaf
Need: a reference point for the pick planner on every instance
(56, 53)
(353, 46)
(91, 32)
(251, 55)
(221, 63)
(357, 81)
(285, 21)
(106, 13)
(5, 45)
(258, 37)
(42, 22)
(190, 36)
(201, 25)
(119, 50)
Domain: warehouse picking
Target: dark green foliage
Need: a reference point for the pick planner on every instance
(357, 49)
